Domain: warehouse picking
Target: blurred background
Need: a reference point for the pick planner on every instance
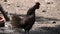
(47, 16)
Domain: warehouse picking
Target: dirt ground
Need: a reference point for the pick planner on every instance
(47, 16)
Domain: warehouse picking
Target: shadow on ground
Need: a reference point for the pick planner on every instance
(42, 19)
(52, 30)
(45, 30)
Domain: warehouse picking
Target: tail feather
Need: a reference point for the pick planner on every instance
(15, 20)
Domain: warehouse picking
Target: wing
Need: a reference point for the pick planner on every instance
(28, 20)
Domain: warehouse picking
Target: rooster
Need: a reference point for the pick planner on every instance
(27, 22)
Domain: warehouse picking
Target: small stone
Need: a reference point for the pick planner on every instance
(58, 9)
(51, 2)
(43, 11)
(48, 2)
(8, 4)
(5, 0)
(18, 6)
(54, 22)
